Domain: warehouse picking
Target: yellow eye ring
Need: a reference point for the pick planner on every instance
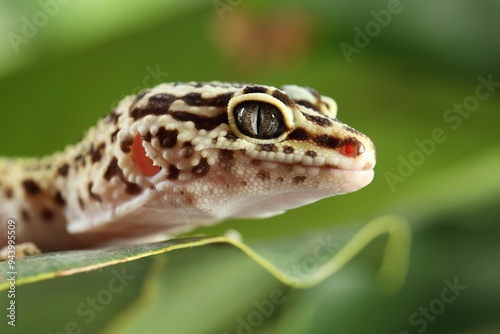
(259, 118)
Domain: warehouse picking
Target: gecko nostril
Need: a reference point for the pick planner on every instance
(352, 149)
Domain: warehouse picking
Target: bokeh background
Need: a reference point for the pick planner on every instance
(395, 68)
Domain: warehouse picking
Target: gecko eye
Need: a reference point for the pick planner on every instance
(259, 120)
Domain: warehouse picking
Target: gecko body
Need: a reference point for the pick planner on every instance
(181, 155)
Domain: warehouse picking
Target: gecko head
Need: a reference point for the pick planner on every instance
(301, 123)
(244, 150)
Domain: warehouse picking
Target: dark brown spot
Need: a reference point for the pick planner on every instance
(59, 199)
(283, 98)
(264, 174)
(320, 120)
(256, 162)
(31, 187)
(158, 104)
(328, 141)
(279, 179)
(93, 195)
(112, 117)
(167, 138)
(112, 169)
(268, 147)
(126, 145)
(47, 214)
(288, 149)
(173, 172)
(312, 154)
(96, 154)
(231, 136)
(147, 137)
(195, 99)
(226, 159)
(308, 104)
(113, 135)
(9, 193)
(348, 128)
(202, 168)
(299, 134)
(201, 122)
(187, 150)
(132, 188)
(25, 215)
(299, 179)
(81, 203)
(254, 89)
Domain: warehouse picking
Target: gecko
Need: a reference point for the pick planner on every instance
(183, 155)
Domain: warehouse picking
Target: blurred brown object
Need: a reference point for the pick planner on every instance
(272, 39)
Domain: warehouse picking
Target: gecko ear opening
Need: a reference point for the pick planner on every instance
(144, 163)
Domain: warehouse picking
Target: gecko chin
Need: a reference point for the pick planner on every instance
(352, 180)
(273, 203)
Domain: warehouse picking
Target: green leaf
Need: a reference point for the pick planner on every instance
(287, 265)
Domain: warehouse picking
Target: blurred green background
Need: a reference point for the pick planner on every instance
(395, 68)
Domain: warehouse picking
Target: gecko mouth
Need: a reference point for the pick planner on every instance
(310, 159)
(301, 164)
(333, 179)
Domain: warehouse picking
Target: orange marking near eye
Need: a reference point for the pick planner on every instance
(141, 160)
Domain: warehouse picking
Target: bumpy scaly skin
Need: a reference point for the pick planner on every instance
(203, 168)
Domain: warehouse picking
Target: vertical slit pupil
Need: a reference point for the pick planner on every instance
(259, 120)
